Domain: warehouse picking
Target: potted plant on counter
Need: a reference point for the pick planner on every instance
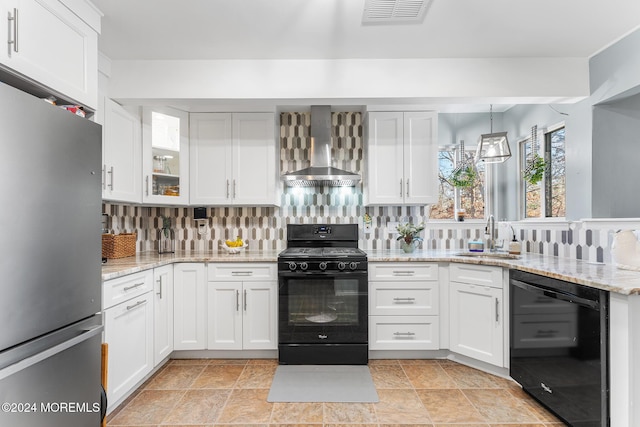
(408, 235)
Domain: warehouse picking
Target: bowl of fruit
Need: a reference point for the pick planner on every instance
(234, 246)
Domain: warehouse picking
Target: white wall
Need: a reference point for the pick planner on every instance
(616, 159)
(615, 72)
(453, 127)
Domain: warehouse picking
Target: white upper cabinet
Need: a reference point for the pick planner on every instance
(50, 45)
(254, 159)
(122, 154)
(165, 156)
(402, 158)
(210, 158)
(233, 159)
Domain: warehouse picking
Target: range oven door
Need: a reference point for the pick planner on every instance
(323, 308)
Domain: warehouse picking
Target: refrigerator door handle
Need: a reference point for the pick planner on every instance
(39, 357)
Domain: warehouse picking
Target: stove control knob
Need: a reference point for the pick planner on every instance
(342, 265)
(322, 266)
(292, 266)
(353, 265)
(304, 266)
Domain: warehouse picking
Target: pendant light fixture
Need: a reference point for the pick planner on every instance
(493, 147)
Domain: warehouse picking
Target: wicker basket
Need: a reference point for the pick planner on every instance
(118, 245)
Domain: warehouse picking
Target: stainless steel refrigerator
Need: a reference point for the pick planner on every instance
(50, 265)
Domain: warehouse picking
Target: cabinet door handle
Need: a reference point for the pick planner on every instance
(159, 281)
(110, 172)
(404, 334)
(14, 42)
(403, 273)
(404, 300)
(400, 187)
(245, 300)
(242, 273)
(137, 285)
(137, 304)
(227, 189)
(237, 300)
(497, 310)
(234, 188)
(146, 185)
(407, 187)
(104, 177)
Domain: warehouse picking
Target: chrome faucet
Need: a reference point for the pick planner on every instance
(490, 229)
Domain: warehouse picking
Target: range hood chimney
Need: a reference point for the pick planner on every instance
(321, 172)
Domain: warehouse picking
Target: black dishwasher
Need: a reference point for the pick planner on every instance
(559, 346)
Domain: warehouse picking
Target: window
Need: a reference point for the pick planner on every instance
(532, 191)
(545, 198)
(470, 198)
(555, 205)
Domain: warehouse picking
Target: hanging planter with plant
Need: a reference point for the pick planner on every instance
(536, 166)
(465, 174)
(463, 177)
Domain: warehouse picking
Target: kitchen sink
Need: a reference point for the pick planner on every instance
(489, 255)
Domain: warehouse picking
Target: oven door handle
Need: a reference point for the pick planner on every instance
(556, 294)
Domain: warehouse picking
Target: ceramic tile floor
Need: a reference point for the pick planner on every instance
(422, 393)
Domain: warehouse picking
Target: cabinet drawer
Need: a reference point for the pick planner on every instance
(476, 274)
(404, 333)
(121, 289)
(404, 271)
(403, 298)
(242, 272)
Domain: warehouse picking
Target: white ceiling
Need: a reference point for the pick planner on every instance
(304, 29)
(333, 29)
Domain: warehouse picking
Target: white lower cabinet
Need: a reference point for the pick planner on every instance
(163, 313)
(243, 307)
(128, 331)
(189, 306)
(403, 306)
(476, 312)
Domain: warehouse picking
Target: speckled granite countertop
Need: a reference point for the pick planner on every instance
(597, 275)
(146, 260)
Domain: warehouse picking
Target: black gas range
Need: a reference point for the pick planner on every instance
(319, 260)
(323, 298)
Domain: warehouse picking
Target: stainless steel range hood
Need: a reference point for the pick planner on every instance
(321, 172)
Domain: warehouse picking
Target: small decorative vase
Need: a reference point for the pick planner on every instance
(166, 242)
(408, 247)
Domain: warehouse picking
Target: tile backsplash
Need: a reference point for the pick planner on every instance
(265, 227)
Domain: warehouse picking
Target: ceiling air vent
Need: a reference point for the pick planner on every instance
(394, 11)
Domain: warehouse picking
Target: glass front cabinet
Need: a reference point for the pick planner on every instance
(165, 151)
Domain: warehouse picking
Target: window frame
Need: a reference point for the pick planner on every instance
(544, 137)
(457, 193)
